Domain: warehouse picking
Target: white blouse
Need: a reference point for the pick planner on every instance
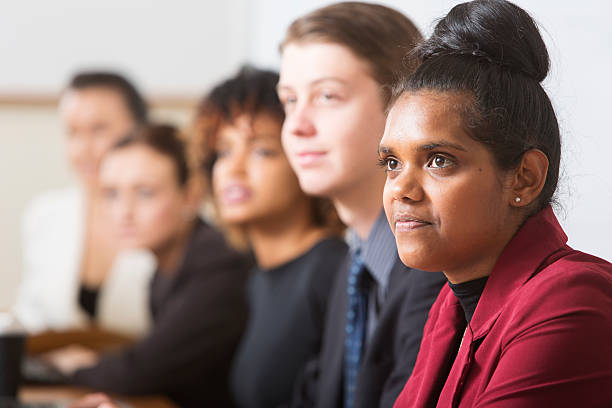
(52, 248)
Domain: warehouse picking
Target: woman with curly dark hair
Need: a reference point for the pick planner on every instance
(295, 237)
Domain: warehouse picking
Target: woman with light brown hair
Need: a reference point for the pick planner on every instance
(196, 299)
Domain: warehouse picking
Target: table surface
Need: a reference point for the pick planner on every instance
(90, 337)
(66, 394)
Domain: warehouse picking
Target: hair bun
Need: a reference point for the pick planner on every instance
(496, 31)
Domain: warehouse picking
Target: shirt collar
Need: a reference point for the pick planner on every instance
(379, 251)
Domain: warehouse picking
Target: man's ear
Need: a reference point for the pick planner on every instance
(529, 178)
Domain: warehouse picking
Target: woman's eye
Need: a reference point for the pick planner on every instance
(264, 152)
(99, 129)
(145, 193)
(440, 162)
(389, 164)
(222, 153)
(327, 96)
(110, 194)
(288, 100)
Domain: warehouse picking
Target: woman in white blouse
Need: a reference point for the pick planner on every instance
(73, 274)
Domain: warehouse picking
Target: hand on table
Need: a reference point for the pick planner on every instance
(97, 400)
(69, 359)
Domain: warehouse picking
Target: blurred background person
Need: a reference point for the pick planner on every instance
(197, 292)
(71, 274)
(295, 238)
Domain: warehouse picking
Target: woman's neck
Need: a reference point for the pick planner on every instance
(171, 254)
(282, 238)
(359, 206)
(99, 247)
(487, 258)
(478, 271)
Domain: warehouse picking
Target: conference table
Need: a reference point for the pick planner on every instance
(64, 395)
(95, 339)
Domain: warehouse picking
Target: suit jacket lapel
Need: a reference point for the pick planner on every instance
(332, 356)
(441, 340)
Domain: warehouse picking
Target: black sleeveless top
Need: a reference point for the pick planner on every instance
(88, 300)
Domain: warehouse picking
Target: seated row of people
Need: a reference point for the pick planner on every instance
(73, 272)
(197, 294)
(469, 174)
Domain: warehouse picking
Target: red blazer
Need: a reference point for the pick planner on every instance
(541, 335)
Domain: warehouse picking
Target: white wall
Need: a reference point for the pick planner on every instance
(176, 47)
(30, 160)
(182, 47)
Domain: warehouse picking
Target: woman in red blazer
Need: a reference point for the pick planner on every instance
(472, 152)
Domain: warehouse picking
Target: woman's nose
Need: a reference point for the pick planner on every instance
(124, 207)
(407, 186)
(235, 162)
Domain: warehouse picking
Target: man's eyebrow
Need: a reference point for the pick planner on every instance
(384, 150)
(326, 79)
(280, 85)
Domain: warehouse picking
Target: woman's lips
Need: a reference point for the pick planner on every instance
(235, 194)
(407, 223)
(310, 158)
(127, 232)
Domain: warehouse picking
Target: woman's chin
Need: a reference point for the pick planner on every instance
(417, 260)
(236, 220)
(127, 243)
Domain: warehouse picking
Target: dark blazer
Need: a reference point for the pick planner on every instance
(198, 318)
(540, 335)
(390, 353)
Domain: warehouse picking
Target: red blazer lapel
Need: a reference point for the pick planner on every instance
(442, 335)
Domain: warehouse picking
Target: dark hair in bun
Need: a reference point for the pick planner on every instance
(492, 50)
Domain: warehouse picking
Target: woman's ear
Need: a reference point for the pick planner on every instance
(529, 178)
